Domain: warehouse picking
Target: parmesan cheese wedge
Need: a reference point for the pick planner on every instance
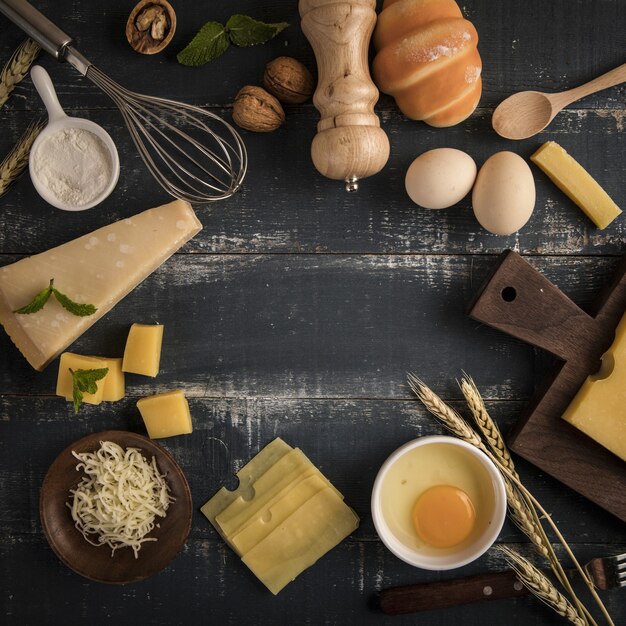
(99, 268)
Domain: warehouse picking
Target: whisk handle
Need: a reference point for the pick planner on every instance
(37, 26)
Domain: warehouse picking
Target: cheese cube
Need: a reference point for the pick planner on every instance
(143, 349)
(113, 388)
(77, 362)
(166, 414)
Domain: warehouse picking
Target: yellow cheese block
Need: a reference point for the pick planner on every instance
(573, 180)
(166, 414)
(75, 362)
(599, 407)
(261, 525)
(316, 527)
(114, 387)
(99, 268)
(142, 354)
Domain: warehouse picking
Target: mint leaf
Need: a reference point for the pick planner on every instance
(209, 43)
(85, 381)
(37, 303)
(81, 310)
(245, 31)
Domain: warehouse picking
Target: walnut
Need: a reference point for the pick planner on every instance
(256, 110)
(289, 80)
(150, 26)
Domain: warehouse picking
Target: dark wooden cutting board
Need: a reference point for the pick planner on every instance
(518, 300)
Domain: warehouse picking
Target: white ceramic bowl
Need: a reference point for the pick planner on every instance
(490, 515)
(59, 121)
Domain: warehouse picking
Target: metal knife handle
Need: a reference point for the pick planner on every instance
(37, 26)
(447, 593)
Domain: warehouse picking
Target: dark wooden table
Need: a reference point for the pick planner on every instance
(298, 310)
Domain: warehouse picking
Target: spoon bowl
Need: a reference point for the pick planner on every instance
(527, 113)
(59, 121)
(523, 115)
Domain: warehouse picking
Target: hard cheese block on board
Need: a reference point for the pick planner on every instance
(99, 268)
(520, 301)
(284, 516)
(599, 408)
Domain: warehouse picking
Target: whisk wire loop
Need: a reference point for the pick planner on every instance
(199, 167)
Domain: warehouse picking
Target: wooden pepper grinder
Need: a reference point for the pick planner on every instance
(349, 144)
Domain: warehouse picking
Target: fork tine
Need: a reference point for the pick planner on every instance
(608, 572)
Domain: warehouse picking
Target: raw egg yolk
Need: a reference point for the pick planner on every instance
(443, 516)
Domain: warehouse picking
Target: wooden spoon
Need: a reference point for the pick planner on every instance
(527, 113)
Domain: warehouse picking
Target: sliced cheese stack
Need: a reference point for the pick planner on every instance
(283, 517)
(599, 408)
(99, 268)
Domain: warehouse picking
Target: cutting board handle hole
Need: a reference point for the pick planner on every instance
(508, 294)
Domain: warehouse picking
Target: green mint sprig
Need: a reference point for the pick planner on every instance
(39, 301)
(85, 381)
(213, 39)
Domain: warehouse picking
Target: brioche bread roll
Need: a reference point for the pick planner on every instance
(428, 60)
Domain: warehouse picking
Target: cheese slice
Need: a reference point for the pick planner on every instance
(599, 407)
(284, 474)
(575, 182)
(247, 475)
(316, 527)
(269, 518)
(99, 268)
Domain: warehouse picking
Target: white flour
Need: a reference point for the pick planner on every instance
(74, 164)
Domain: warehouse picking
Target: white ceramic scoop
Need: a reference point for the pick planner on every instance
(58, 121)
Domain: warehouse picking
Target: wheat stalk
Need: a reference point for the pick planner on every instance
(523, 501)
(485, 424)
(450, 418)
(16, 161)
(17, 67)
(541, 586)
(522, 515)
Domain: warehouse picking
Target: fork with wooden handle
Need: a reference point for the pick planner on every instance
(606, 573)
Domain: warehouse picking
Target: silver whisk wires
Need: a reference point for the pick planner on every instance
(193, 163)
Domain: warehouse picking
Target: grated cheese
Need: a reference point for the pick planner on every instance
(120, 497)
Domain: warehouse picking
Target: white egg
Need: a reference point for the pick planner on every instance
(504, 194)
(440, 178)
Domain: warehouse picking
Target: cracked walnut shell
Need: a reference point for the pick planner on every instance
(289, 80)
(151, 26)
(257, 110)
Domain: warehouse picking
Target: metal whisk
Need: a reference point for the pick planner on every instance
(176, 141)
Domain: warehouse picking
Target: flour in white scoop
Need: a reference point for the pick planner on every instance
(74, 164)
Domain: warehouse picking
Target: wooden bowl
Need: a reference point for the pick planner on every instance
(96, 562)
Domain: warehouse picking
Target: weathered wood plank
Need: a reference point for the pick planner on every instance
(347, 439)
(285, 206)
(318, 326)
(530, 45)
(207, 580)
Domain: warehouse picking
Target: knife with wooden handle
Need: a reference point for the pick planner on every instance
(448, 593)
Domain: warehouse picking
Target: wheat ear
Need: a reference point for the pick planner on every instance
(448, 416)
(16, 161)
(17, 67)
(541, 586)
(485, 424)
